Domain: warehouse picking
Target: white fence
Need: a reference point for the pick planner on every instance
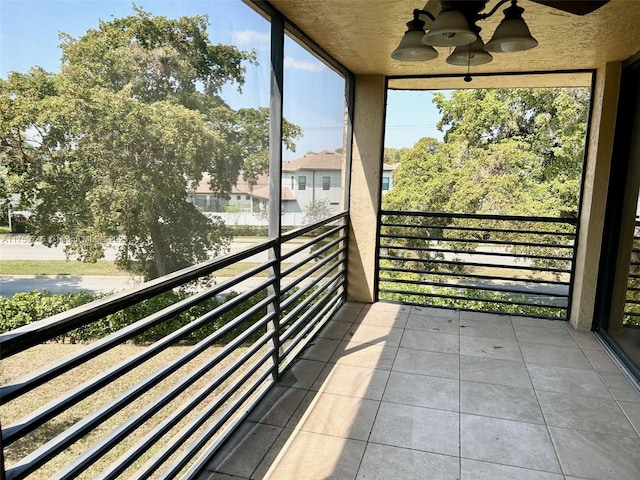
(290, 219)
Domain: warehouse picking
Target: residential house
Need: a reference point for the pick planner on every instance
(315, 177)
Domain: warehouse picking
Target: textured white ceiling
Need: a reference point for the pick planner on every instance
(362, 34)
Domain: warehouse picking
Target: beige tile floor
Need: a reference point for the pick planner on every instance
(396, 392)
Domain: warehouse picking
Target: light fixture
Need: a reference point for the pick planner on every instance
(472, 54)
(411, 48)
(450, 28)
(512, 35)
(456, 26)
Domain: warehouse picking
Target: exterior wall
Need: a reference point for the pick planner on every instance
(368, 127)
(288, 219)
(599, 152)
(314, 187)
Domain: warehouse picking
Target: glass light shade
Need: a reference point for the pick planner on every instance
(450, 28)
(512, 35)
(473, 54)
(411, 48)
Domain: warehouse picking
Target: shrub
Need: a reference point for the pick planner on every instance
(27, 307)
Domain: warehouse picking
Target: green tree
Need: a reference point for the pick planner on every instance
(393, 155)
(505, 151)
(111, 144)
(549, 125)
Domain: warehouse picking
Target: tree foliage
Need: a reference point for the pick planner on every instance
(111, 144)
(505, 151)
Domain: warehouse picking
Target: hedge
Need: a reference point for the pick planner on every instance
(27, 307)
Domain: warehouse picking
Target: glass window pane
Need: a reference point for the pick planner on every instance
(314, 104)
(193, 162)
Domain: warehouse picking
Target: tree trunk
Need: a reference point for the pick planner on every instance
(159, 250)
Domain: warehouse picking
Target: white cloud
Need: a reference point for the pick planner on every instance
(252, 38)
(306, 65)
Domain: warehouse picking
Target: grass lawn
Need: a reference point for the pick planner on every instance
(63, 267)
(14, 367)
(58, 267)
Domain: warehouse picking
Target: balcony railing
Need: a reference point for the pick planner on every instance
(191, 372)
(499, 264)
(632, 297)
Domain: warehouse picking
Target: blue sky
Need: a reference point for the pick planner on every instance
(29, 36)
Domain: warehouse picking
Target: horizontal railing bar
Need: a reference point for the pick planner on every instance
(311, 242)
(336, 280)
(286, 236)
(317, 254)
(152, 465)
(292, 351)
(145, 472)
(467, 299)
(195, 471)
(38, 417)
(329, 287)
(54, 446)
(492, 288)
(474, 252)
(474, 264)
(475, 276)
(187, 407)
(479, 229)
(300, 293)
(300, 278)
(478, 216)
(89, 456)
(286, 334)
(22, 385)
(172, 472)
(480, 242)
(43, 330)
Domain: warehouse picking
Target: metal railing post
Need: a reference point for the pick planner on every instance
(275, 178)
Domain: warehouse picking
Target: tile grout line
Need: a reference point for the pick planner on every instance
(459, 398)
(544, 418)
(368, 440)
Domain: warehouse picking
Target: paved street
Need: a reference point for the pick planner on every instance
(12, 284)
(18, 247)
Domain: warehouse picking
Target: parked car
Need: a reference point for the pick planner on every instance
(19, 219)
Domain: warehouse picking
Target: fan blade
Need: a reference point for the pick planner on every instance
(577, 7)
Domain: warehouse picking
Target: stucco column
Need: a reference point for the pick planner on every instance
(368, 127)
(599, 151)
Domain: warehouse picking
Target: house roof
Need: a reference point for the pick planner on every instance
(263, 192)
(241, 186)
(259, 190)
(325, 160)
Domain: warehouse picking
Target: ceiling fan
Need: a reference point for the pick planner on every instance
(576, 7)
(453, 23)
